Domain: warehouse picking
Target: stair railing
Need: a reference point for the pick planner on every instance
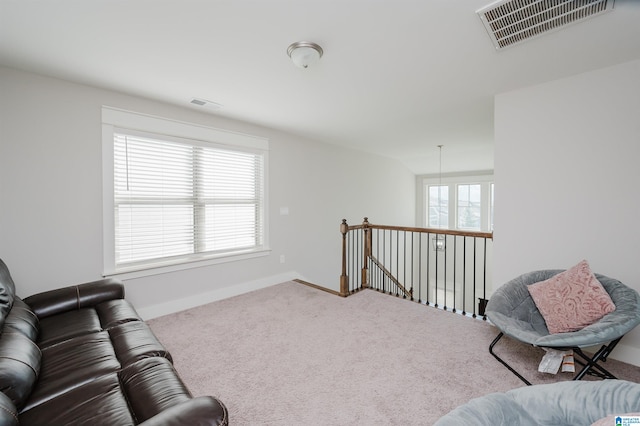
(448, 269)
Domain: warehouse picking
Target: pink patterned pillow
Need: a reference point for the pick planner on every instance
(571, 300)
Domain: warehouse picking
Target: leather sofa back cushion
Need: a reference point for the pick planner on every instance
(21, 318)
(61, 327)
(64, 326)
(7, 292)
(71, 364)
(19, 366)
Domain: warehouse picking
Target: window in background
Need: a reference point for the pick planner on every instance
(459, 202)
(438, 206)
(469, 207)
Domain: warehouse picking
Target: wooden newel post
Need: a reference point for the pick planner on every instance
(366, 252)
(344, 278)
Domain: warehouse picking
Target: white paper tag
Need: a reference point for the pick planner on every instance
(551, 361)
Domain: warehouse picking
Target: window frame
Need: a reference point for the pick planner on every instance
(484, 179)
(116, 120)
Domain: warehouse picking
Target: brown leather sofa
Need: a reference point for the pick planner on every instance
(81, 355)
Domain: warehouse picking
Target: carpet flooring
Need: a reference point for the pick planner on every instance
(295, 355)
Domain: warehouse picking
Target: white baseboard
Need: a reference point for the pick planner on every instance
(189, 302)
(625, 353)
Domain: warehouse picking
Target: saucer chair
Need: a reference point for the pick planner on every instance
(513, 311)
(556, 404)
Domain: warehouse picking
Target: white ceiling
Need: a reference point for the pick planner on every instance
(398, 77)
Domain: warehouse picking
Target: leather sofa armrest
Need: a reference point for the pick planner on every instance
(8, 411)
(75, 297)
(200, 411)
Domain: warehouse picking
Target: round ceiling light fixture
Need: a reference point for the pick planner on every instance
(304, 53)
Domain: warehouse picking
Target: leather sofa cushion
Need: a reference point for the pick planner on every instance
(19, 366)
(116, 312)
(99, 402)
(81, 359)
(61, 327)
(73, 363)
(22, 319)
(8, 411)
(153, 386)
(201, 411)
(147, 392)
(134, 340)
(158, 397)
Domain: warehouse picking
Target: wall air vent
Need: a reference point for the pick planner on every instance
(509, 22)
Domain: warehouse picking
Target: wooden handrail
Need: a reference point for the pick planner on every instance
(367, 225)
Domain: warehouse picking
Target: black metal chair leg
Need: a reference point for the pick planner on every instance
(589, 371)
(504, 362)
(592, 363)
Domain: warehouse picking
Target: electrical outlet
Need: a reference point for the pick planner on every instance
(282, 259)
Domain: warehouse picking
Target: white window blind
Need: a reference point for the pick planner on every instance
(178, 200)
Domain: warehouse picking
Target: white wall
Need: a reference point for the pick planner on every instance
(51, 199)
(567, 176)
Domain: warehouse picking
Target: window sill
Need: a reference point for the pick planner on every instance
(141, 271)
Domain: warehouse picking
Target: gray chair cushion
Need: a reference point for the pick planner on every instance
(494, 409)
(514, 312)
(558, 404)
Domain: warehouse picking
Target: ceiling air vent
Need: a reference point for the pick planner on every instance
(509, 22)
(205, 103)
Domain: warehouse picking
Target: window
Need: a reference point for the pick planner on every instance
(469, 206)
(459, 202)
(438, 206)
(172, 200)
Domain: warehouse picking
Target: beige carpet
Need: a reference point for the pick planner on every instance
(294, 355)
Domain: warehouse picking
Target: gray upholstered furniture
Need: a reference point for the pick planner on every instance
(559, 404)
(512, 310)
